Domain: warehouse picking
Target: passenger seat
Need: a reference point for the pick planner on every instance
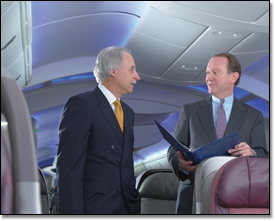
(26, 189)
(45, 202)
(241, 186)
(158, 189)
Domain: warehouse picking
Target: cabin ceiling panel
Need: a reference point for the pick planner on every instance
(17, 72)
(211, 41)
(248, 47)
(152, 57)
(186, 67)
(65, 39)
(66, 9)
(201, 76)
(177, 76)
(157, 25)
(200, 17)
(5, 5)
(264, 20)
(194, 56)
(253, 43)
(247, 11)
(11, 30)
(187, 73)
(200, 52)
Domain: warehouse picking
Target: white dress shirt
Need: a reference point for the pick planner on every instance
(108, 94)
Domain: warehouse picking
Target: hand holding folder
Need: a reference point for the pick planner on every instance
(218, 147)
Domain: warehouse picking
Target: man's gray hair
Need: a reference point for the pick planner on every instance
(108, 60)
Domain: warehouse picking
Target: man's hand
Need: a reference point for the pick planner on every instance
(242, 149)
(185, 165)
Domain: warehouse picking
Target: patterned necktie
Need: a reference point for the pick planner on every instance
(119, 113)
(221, 121)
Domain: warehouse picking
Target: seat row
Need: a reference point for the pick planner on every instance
(223, 185)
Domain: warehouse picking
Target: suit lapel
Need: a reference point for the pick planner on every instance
(236, 117)
(107, 111)
(206, 118)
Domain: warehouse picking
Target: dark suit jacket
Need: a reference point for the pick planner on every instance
(195, 128)
(95, 159)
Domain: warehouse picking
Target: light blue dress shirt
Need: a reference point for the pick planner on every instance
(227, 106)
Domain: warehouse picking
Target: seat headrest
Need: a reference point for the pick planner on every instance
(245, 183)
(160, 185)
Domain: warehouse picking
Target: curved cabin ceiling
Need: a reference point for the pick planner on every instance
(171, 43)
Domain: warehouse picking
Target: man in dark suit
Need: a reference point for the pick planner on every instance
(197, 122)
(95, 154)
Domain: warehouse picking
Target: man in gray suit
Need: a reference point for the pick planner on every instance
(196, 125)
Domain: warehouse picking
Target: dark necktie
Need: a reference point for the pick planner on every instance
(221, 121)
(119, 113)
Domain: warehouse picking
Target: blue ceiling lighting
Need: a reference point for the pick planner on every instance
(33, 87)
(240, 93)
(257, 66)
(45, 163)
(260, 105)
(45, 156)
(74, 78)
(199, 87)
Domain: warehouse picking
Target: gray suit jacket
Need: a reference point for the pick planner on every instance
(195, 128)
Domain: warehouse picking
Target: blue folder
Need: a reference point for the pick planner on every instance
(218, 147)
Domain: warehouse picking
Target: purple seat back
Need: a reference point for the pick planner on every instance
(241, 186)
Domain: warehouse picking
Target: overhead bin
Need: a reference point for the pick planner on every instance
(16, 38)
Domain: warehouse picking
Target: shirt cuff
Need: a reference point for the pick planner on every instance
(254, 152)
(186, 172)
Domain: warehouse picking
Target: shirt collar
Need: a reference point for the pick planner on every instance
(227, 100)
(108, 94)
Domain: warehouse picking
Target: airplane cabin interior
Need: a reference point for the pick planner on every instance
(48, 52)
